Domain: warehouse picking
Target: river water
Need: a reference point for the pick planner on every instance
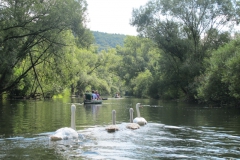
(174, 130)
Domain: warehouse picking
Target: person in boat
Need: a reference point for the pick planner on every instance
(98, 95)
(117, 95)
(88, 96)
(94, 96)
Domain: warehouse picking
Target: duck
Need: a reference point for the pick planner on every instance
(113, 127)
(139, 120)
(132, 125)
(66, 132)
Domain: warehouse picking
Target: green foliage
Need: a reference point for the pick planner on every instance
(215, 39)
(94, 71)
(177, 27)
(142, 84)
(49, 77)
(105, 41)
(139, 57)
(32, 34)
(220, 82)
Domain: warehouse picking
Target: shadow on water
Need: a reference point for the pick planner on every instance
(174, 131)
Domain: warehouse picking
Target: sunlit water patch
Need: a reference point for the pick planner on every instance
(152, 141)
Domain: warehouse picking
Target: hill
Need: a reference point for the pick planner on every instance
(107, 40)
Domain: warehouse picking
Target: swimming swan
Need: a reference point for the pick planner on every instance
(66, 132)
(73, 109)
(113, 127)
(139, 120)
(132, 125)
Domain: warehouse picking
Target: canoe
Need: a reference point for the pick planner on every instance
(92, 101)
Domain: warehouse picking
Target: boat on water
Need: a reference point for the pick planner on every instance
(92, 101)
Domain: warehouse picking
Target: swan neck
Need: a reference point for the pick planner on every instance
(114, 117)
(73, 108)
(138, 112)
(131, 115)
(73, 126)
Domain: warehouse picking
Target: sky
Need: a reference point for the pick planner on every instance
(112, 16)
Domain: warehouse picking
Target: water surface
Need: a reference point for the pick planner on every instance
(174, 130)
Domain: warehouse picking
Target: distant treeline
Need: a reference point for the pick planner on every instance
(107, 40)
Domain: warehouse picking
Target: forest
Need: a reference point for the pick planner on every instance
(105, 41)
(185, 51)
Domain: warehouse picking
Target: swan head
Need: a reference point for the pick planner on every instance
(138, 105)
(73, 108)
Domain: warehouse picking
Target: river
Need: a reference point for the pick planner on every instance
(174, 130)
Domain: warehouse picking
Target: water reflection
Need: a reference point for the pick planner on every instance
(93, 108)
(174, 131)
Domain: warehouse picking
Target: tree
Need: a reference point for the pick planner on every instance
(139, 58)
(177, 27)
(104, 41)
(142, 84)
(219, 85)
(31, 32)
(94, 71)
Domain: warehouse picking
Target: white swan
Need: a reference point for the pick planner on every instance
(66, 132)
(139, 120)
(73, 109)
(132, 125)
(113, 127)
